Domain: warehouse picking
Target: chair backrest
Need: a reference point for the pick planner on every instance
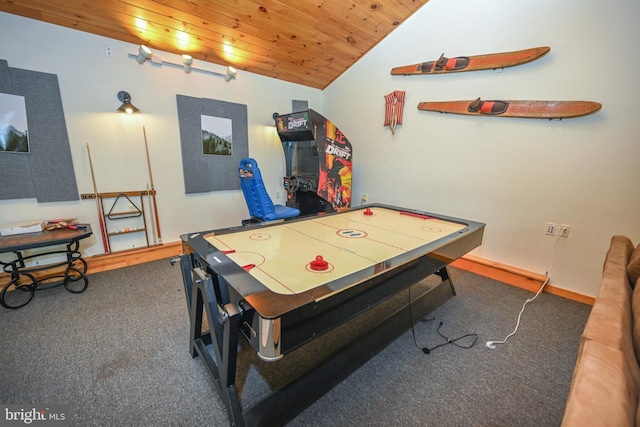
(255, 193)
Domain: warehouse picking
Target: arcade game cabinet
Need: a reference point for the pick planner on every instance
(318, 162)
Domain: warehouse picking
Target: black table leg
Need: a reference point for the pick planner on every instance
(444, 275)
(219, 351)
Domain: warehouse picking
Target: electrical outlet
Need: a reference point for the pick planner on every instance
(551, 229)
(564, 230)
(108, 51)
(364, 197)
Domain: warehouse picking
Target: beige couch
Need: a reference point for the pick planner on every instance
(606, 381)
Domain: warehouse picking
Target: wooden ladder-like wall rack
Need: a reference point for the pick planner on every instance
(108, 215)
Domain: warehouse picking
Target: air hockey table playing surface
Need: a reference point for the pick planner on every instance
(269, 267)
(282, 258)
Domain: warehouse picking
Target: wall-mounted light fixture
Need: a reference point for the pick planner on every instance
(127, 106)
(145, 53)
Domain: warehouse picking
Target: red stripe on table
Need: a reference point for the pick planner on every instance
(417, 215)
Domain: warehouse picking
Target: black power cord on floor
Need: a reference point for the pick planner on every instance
(448, 340)
(427, 350)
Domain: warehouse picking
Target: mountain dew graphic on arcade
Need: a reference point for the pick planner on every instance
(318, 162)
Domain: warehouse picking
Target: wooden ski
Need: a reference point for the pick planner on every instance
(489, 61)
(527, 109)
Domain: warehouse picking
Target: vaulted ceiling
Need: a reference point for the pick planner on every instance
(310, 42)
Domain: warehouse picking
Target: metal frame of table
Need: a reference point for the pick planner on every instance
(25, 280)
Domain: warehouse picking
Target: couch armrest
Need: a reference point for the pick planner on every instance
(602, 391)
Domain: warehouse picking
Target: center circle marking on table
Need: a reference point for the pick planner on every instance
(260, 236)
(351, 233)
(431, 229)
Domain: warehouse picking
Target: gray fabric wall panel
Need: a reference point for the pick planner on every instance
(204, 173)
(15, 173)
(194, 165)
(51, 167)
(46, 173)
(5, 81)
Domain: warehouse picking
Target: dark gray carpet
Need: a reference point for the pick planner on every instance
(118, 355)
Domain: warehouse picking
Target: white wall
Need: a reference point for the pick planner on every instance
(89, 82)
(513, 174)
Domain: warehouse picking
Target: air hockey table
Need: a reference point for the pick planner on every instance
(281, 285)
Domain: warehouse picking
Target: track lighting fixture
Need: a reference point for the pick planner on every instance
(231, 74)
(144, 53)
(127, 106)
(187, 60)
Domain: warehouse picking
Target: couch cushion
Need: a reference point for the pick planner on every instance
(633, 269)
(610, 321)
(602, 392)
(619, 253)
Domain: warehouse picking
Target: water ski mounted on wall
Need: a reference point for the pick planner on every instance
(488, 61)
(527, 109)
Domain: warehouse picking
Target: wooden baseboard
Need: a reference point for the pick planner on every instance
(515, 277)
(98, 263)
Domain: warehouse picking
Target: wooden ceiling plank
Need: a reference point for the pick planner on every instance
(100, 18)
(153, 34)
(187, 11)
(308, 42)
(238, 37)
(332, 10)
(21, 9)
(356, 14)
(271, 28)
(279, 71)
(411, 5)
(273, 33)
(102, 22)
(301, 19)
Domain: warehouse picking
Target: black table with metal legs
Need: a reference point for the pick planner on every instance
(26, 275)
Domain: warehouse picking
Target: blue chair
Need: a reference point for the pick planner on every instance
(261, 208)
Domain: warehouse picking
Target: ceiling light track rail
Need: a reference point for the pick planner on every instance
(144, 54)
